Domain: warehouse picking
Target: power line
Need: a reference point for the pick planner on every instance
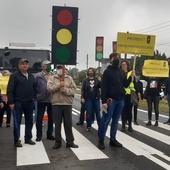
(158, 28)
(152, 26)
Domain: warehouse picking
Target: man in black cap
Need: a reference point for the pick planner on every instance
(21, 93)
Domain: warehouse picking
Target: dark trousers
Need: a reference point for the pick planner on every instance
(8, 113)
(40, 114)
(135, 108)
(82, 111)
(63, 113)
(127, 111)
(25, 108)
(155, 101)
(92, 105)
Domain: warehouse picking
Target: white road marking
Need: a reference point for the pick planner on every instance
(139, 148)
(86, 150)
(31, 154)
(76, 111)
(152, 134)
(161, 125)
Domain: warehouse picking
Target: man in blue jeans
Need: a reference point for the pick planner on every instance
(113, 91)
(43, 101)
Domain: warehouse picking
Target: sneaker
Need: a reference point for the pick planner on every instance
(156, 123)
(130, 129)
(71, 145)
(79, 123)
(38, 139)
(149, 123)
(88, 129)
(18, 144)
(51, 137)
(30, 142)
(136, 123)
(115, 143)
(7, 125)
(101, 145)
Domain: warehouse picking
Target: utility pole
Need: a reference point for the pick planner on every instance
(126, 54)
(87, 61)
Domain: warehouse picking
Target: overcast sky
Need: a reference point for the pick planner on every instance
(29, 21)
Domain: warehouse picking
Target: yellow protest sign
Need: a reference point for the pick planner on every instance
(3, 84)
(138, 44)
(155, 68)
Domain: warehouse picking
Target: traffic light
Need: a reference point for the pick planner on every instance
(64, 35)
(148, 39)
(99, 48)
(114, 46)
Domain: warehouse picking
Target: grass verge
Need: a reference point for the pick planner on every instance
(163, 105)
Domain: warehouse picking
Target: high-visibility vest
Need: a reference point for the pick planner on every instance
(131, 85)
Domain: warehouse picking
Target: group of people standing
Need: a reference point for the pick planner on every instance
(52, 93)
(116, 84)
(113, 90)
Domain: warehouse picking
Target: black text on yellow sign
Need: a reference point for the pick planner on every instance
(155, 68)
(139, 44)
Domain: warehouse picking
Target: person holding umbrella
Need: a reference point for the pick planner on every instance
(114, 83)
(21, 91)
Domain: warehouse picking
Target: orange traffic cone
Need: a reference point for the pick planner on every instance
(4, 120)
(85, 116)
(45, 118)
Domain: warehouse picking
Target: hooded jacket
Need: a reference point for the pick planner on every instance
(114, 83)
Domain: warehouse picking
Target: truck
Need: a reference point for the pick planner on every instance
(9, 56)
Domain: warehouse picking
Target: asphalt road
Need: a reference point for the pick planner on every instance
(145, 148)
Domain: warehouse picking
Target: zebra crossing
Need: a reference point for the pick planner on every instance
(34, 155)
(139, 148)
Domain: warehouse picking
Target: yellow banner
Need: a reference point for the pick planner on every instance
(155, 68)
(138, 44)
(3, 84)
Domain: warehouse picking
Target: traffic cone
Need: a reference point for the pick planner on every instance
(85, 116)
(4, 120)
(45, 118)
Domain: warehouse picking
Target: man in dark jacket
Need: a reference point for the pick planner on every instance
(43, 101)
(21, 93)
(113, 92)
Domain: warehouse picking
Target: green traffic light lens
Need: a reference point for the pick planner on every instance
(62, 54)
(99, 56)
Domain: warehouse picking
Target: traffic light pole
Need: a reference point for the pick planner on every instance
(87, 61)
(99, 68)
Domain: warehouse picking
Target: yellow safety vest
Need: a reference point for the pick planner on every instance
(131, 85)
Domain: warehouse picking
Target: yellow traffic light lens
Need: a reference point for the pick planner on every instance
(64, 36)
